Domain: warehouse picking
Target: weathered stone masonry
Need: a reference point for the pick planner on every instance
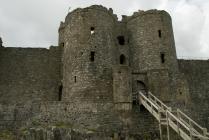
(87, 84)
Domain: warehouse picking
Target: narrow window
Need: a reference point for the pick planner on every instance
(75, 79)
(121, 40)
(162, 55)
(92, 56)
(159, 33)
(92, 30)
(60, 93)
(122, 59)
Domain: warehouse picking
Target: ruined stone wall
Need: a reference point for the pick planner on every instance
(29, 74)
(197, 75)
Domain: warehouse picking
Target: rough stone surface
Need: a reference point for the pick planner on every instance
(86, 88)
(197, 75)
(29, 74)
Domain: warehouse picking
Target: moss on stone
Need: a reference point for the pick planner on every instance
(63, 125)
(6, 135)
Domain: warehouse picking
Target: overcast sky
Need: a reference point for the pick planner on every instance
(34, 23)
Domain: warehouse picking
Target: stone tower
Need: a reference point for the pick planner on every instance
(152, 50)
(106, 60)
(88, 56)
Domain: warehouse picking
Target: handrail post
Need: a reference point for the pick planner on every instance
(178, 116)
(204, 132)
(148, 95)
(160, 127)
(167, 122)
(190, 129)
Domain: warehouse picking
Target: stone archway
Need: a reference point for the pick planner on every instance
(140, 86)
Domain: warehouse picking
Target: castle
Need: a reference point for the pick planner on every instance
(86, 87)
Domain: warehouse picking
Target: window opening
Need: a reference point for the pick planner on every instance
(92, 55)
(121, 40)
(60, 93)
(75, 79)
(162, 55)
(92, 30)
(122, 59)
(159, 33)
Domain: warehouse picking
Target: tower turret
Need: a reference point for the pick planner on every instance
(88, 54)
(152, 41)
(153, 49)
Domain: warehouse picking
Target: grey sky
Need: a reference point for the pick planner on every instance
(34, 23)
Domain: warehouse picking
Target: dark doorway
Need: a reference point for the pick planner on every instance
(140, 86)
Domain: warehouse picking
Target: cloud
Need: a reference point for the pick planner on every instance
(29, 23)
(189, 19)
(188, 26)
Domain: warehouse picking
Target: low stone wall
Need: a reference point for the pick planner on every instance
(98, 118)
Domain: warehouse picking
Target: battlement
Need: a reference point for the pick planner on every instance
(110, 12)
(141, 13)
(98, 8)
